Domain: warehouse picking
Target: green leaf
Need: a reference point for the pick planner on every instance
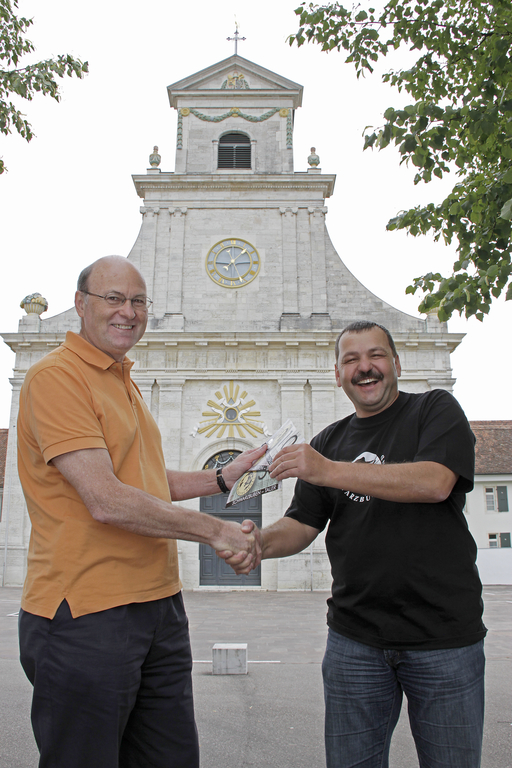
(506, 211)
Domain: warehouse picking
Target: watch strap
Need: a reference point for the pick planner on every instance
(221, 482)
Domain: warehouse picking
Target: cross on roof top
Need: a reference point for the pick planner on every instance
(236, 38)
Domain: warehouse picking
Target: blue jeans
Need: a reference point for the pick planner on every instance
(363, 689)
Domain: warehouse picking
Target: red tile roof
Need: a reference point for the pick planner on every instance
(493, 447)
(3, 453)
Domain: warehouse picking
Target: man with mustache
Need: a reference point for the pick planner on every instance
(405, 615)
(103, 630)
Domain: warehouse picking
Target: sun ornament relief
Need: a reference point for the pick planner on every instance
(232, 414)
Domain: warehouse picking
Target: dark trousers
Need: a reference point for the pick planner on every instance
(112, 689)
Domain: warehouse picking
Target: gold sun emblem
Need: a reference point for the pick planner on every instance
(232, 413)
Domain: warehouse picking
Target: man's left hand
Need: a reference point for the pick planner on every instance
(231, 472)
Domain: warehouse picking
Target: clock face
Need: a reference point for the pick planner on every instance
(232, 263)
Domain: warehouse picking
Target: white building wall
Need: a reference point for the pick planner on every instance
(481, 522)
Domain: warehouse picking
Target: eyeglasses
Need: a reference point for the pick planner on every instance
(117, 300)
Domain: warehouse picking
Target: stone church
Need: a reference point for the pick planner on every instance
(249, 295)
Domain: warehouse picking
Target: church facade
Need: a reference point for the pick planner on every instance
(248, 295)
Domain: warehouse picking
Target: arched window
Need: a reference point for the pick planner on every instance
(234, 151)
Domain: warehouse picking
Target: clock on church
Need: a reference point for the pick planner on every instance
(232, 263)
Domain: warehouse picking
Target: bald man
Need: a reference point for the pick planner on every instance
(103, 630)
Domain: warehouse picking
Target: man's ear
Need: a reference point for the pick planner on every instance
(337, 375)
(398, 366)
(80, 299)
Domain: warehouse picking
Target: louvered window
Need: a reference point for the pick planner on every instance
(234, 151)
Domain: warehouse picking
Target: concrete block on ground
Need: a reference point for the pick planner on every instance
(229, 659)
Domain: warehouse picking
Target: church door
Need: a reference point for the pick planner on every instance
(213, 571)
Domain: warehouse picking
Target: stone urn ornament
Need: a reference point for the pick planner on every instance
(154, 158)
(313, 159)
(34, 304)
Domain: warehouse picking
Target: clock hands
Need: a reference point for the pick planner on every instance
(232, 261)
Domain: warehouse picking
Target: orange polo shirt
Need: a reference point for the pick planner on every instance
(74, 398)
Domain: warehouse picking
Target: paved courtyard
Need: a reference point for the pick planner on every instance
(271, 717)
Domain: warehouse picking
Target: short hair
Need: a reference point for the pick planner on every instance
(83, 278)
(358, 327)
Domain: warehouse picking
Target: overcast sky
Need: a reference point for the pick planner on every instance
(68, 197)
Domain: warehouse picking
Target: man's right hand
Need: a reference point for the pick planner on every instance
(244, 564)
(239, 545)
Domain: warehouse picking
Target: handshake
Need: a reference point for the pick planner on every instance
(242, 547)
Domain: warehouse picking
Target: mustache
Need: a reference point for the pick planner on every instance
(371, 374)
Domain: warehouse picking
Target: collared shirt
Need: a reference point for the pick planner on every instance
(75, 398)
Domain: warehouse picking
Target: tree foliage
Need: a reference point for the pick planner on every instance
(460, 119)
(24, 82)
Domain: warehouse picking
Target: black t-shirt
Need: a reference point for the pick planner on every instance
(404, 575)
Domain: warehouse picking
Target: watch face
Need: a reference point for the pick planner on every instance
(232, 263)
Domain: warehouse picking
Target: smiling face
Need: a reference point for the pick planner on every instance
(112, 330)
(368, 371)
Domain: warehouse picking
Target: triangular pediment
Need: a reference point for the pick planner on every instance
(234, 74)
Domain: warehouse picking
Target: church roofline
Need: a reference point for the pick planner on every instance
(191, 85)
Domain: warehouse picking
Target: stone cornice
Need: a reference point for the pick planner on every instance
(262, 340)
(168, 183)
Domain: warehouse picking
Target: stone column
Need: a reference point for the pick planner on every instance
(292, 407)
(323, 391)
(145, 384)
(289, 241)
(318, 273)
(304, 263)
(169, 419)
(161, 264)
(292, 401)
(174, 288)
(148, 244)
(15, 525)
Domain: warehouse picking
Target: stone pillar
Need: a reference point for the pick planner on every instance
(323, 391)
(174, 288)
(292, 401)
(318, 273)
(145, 384)
(15, 525)
(148, 243)
(169, 419)
(304, 263)
(292, 407)
(289, 241)
(161, 264)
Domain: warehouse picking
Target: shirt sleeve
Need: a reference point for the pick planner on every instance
(60, 413)
(309, 506)
(446, 438)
